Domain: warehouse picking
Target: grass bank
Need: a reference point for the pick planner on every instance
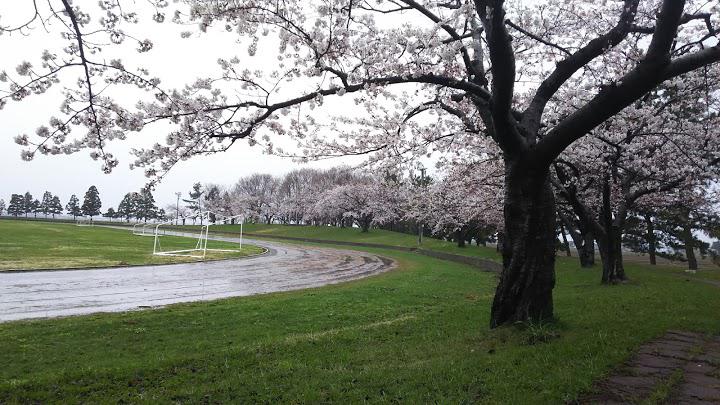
(48, 245)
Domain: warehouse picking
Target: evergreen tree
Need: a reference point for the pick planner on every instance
(128, 206)
(110, 213)
(55, 206)
(194, 203)
(46, 203)
(73, 206)
(91, 203)
(146, 208)
(36, 207)
(212, 196)
(17, 205)
(27, 203)
(2, 206)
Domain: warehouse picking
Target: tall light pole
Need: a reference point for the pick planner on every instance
(177, 208)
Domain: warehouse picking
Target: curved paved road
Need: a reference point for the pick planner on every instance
(26, 295)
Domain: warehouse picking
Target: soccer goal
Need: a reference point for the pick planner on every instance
(143, 229)
(84, 222)
(198, 246)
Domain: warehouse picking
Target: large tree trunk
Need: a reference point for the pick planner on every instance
(460, 238)
(610, 246)
(583, 238)
(610, 243)
(612, 259)
(528, 277)
(650, 237)
(364, 222)
(587, 250)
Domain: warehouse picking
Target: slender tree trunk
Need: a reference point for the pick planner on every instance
(689, 246)
(617, 240)
(566, 244)
(650, 237)
(528, 276)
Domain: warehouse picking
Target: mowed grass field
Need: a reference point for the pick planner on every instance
(45, 245)
(417, 334)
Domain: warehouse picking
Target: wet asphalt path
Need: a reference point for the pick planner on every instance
(25, 295)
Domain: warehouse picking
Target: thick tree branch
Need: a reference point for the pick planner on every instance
(568, 66)
(655, 68)
(504, 131)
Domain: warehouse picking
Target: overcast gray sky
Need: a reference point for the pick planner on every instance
(176, 62)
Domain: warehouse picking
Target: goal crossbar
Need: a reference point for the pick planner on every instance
(140, 229)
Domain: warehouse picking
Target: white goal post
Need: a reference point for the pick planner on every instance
(143, 229)
(200, 250)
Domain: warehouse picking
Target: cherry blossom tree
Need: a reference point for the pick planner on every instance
(427, 77)
(257, 195)
(669, 226)
(464, 203)
(665, 145)
(364, 201)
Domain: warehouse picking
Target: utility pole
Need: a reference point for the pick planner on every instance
(177, 208)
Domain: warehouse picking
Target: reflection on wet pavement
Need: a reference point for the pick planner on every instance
(285, 267)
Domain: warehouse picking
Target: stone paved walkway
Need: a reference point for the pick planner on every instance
(678, 368)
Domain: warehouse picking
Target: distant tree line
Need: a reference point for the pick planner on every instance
(50, 205)
(138, 205)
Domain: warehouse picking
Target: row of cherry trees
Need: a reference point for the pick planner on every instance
(455, 206)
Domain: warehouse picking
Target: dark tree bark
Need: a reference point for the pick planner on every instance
(566, 245)
(364, 222)
(651, 239)
(460, 238)
(528, 277)
(587, 251)
(525, 288)
(689, 242)
(583, 238)
(611, 245)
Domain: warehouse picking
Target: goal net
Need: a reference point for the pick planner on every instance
(196, 244)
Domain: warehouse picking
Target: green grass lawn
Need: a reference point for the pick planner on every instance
(379, 236)
(417, 334)
(46, 245)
